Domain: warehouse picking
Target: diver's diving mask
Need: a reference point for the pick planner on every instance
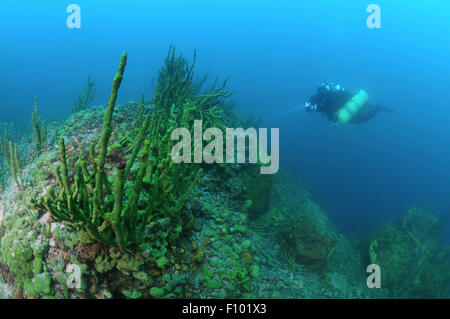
(310, 107)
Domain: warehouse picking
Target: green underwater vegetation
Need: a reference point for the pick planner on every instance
(10, 153)
(414, 259)
(100, 210)
(85, 98)
(39, 130)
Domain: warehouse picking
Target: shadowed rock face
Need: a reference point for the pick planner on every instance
(412, 256)
(308, 245)
(259, 192)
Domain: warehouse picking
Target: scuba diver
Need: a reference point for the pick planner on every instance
(341, 106)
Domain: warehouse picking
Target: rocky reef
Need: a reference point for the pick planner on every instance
(95, 208)
(414, 259)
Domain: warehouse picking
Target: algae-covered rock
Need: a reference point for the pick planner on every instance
(17, 246)
(132, 294)
(259, 192)
(413, 260)
(6, 290)
(308, 245)
(157, 292)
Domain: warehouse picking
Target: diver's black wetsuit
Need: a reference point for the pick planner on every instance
(329, 102)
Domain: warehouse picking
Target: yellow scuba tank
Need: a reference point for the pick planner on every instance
(352, 106)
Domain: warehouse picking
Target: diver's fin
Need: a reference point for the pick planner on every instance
(385, 109)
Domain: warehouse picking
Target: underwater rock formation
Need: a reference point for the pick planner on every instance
(308, 245)
(413, 259)
(259, 193)
(108, 201)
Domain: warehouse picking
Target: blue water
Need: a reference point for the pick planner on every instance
(277, 53)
